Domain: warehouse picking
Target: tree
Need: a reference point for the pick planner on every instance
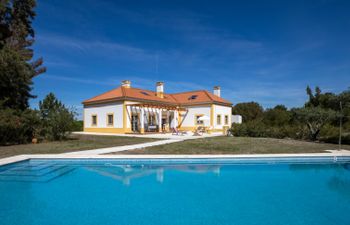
(57, 120)
(314, 99)
(18, 127)
(277, 116)
(314, 118)
(248, 110)
(5, 15)
(15, 80)
(16, 65)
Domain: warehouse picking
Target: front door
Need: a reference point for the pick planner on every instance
(135, 123)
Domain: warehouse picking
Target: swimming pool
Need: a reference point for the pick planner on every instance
(298, 191)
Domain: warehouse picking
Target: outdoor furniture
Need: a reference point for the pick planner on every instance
(199, 131)
(152, 128)
(175, 131)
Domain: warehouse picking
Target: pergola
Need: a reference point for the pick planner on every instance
(157, 109)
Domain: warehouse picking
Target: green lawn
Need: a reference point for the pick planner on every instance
(75, 143)
(236, 145)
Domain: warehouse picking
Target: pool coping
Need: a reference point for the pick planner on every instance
(19, 158)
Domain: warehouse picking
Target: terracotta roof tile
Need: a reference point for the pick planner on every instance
(112, 94)
(184, 98)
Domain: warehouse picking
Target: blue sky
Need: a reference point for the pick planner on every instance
(264, 51)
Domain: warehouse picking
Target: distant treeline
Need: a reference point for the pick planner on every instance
(318, 120)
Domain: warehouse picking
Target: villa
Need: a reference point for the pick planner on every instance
(132, 110)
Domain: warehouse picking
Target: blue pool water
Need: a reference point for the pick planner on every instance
(47, 192)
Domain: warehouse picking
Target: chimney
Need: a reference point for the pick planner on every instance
(217, 91)
(126, 83)
(160, 89)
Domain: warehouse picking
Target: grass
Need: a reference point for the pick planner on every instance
(74, 143)
(237, 145)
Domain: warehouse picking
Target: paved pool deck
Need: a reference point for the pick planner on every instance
(19, 158)
(100, 153)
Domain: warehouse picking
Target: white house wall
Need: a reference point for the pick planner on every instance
(222, 110)
(129, 112)
(189, 119)
(101, 112)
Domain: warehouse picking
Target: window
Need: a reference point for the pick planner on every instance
(110, 118)
(94, 120)
(226, 119)
(218, 119)
(192, 97)
(144, 93)
(197, 121)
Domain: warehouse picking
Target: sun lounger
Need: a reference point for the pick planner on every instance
(175, 131)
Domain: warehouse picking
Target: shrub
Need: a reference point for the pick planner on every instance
(330, 134)
(18, 127)
(78, 125)
(57, 120)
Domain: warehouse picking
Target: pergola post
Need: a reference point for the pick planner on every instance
(160, 120)
(167, 120)
(142, 120)
(175, 118)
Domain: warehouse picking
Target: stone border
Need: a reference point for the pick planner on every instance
(20, 158)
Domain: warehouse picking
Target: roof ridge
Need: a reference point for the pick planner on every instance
(187, 92)
(174, 98)
(102, 93)
(140, 89)
(206, 92)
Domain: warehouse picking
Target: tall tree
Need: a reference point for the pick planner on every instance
(17, 67)
(314, 99)
(5, 15)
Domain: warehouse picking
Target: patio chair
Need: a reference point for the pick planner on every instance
(198, 131)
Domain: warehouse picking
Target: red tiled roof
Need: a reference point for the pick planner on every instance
(184, 98)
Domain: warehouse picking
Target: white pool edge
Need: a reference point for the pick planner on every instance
(20, 158)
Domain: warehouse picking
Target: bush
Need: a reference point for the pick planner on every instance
(57, 120)
(78, 125)
(250, 129)
(330, 134)
(260, 129)
(18, 127)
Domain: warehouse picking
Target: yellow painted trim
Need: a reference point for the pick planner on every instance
(195, 119)
(160, 94)
(92, 124)
(84, 118)
(124, 117)
(217, 130)
(194, 128)
(187, 128)
(179, 118)
(212, 115)
(104, 130)
(107, 122)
